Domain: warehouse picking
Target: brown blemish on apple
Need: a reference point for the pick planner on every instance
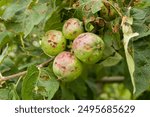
(72, 70)
(74, 32)
(51, 40)
(67, 24)
(81, 36)
(62, 59)
(63, 45)
(87, 46)
(63, 67)
(53, 37)
(60, 66)
(54, 45)
(75, 23)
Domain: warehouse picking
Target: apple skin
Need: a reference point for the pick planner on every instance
(88, 47)
(53, 42)
(72, 28)
(66, 66)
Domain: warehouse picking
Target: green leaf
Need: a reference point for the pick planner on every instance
(93, 5)
(142, 65)
(112, 43)
(9, 93)
(93, 87)
(112, 60)
(138, 13)
(53, 19)
(13, 95)
(127, 35)
(4, 54)
(141, 21)
(4, 94)
(96, 6)
(29, 82)
(25, 20)
(49, 83)
(84, 10)
(144, 3)
(14, 8)
(66, 94)
(84, 1)
(3, 5)
(2, 27)
(88, 25)
(79, 88)
(10, 11)
(54, 22)
(4, 38)
(34, 17)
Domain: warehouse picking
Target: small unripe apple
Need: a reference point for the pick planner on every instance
(66, 66)
(53, 42)
(72, 28)
(88, 47)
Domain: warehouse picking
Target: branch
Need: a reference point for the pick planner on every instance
(5, 78)
(103, 80)
(130, 3)
(45, 63)
(112, 79)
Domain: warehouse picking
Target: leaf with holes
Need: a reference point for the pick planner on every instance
(29, 83)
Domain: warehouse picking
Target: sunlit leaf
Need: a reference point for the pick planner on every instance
(29, 83)
(4, 38)
(49, 83)
(128, 34)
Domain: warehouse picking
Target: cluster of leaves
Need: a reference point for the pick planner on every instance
(23, 23)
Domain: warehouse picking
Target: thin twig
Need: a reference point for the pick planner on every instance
(45, 63)
(112, 79)
(103, 80)
(130, 3)
(5, 78)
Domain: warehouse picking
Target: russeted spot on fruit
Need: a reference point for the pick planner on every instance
(88, 47)
(53, 42)
(72, 28)
(66, 66)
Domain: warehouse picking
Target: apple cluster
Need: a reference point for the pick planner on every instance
(86, 48)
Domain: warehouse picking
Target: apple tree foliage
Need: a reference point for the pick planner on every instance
(123, 72)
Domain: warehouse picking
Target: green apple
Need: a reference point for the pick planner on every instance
(53, 42)
(72, 28)
(88, 47)
(66, 66)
